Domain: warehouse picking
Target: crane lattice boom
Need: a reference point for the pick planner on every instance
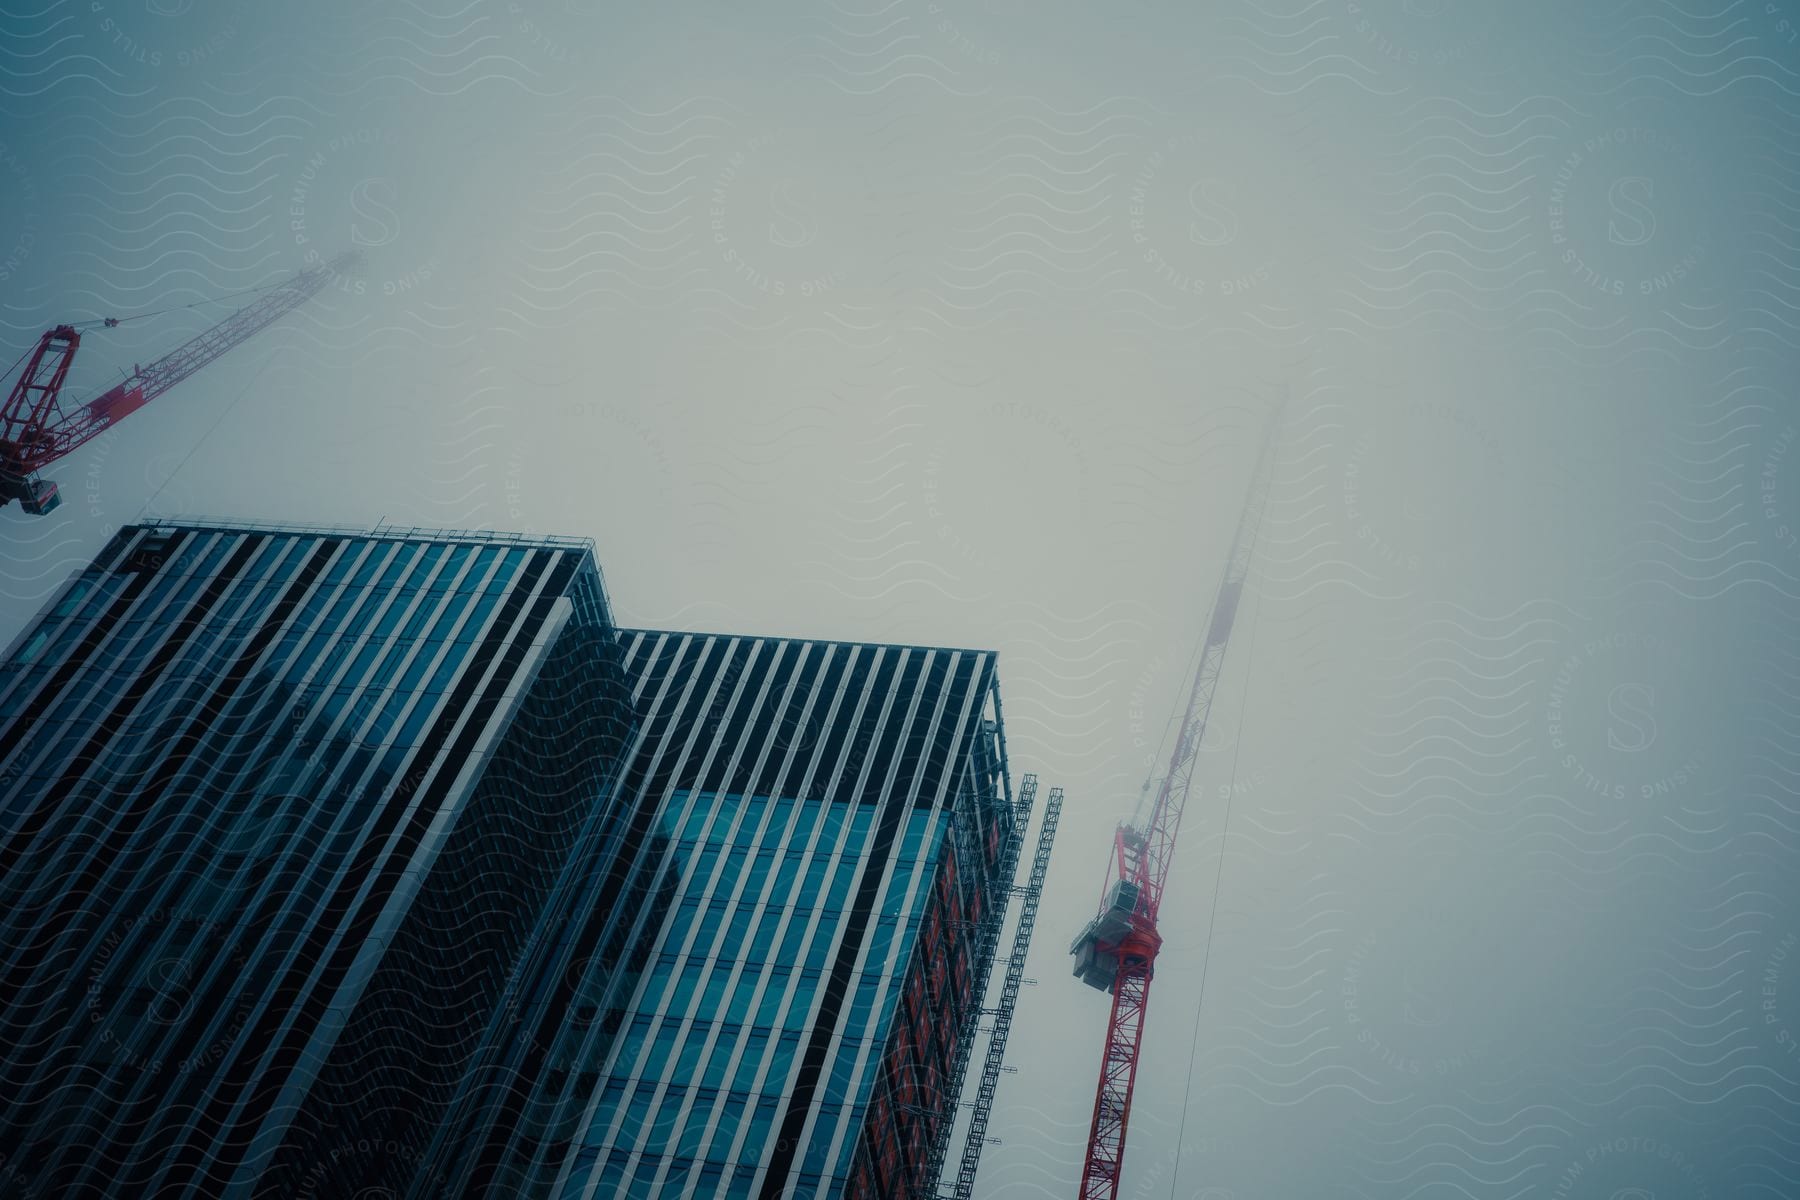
(35, 428)
(1117, 949)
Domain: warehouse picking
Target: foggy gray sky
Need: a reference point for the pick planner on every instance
(953, 321)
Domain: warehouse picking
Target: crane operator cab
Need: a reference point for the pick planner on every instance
(1096, 947)
(35, 496)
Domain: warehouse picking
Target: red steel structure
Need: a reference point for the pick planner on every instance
(35, 428)
(1117, 949)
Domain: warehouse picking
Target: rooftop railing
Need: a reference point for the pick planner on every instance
(381, 530)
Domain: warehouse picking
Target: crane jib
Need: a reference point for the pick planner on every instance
(116, 403)
(1224, 612)
(36, 431)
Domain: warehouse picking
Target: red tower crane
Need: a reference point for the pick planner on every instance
(1117, 950)
(36, 430)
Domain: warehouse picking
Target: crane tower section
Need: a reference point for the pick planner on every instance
(1116, 950)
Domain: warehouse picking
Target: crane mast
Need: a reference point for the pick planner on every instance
(35, 428)
(1117, 949)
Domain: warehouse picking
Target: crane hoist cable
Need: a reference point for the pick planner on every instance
(204, 438)
(1212, 917)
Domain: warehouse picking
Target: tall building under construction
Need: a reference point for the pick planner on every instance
(759, 976)
(338, 861)
(281, 809)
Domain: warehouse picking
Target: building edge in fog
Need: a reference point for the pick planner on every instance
(344, 860)
(281, 808)
(766, 962)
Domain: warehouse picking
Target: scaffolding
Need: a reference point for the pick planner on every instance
(987, 943)
(1029, 895)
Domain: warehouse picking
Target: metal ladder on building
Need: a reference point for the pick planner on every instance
(991, 1068)
(988, 932)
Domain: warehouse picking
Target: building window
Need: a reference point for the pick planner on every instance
(34, 645)
(754, 1046)
(688, 1064)
(760, 1124)
(645, 1178)
(739, 1012)
(720, 1059)
(635, 1111)
(608, 1104)
(660, 1050)
(78, 591)
(633, 1041)
(725, 1122)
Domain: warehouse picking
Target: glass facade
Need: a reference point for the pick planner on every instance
(281, 808)
(350, 864)
(711, 1041)
(712, 1009)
